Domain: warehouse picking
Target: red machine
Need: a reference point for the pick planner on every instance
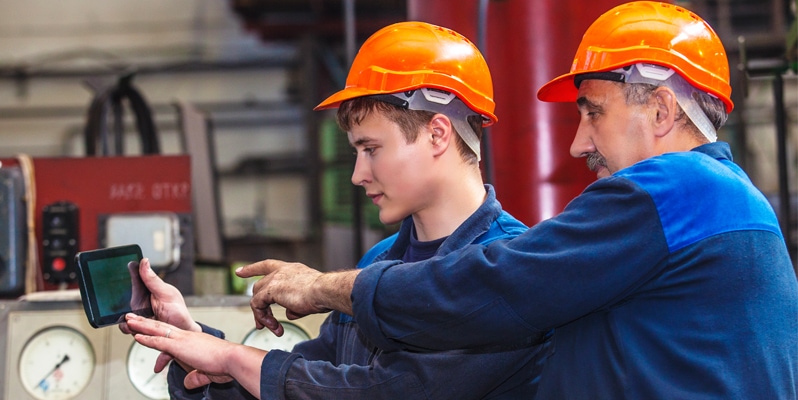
(87, 203)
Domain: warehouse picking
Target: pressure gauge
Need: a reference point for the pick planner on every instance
(264, 339)
(56, 364)
(140, 365)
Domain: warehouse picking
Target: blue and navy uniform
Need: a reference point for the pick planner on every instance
(669, 279)
(342, 364)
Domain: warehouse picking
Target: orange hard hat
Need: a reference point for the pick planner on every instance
(412, 55)
(649, 32)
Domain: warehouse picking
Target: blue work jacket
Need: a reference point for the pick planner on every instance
(669, 279)
(341, 364)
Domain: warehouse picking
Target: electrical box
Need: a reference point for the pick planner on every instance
(157, 233)
(13, 238)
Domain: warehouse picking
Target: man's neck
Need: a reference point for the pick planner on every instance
(454, 205)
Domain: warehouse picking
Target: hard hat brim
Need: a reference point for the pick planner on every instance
(559, 90)
(341, 96)
(349, 93)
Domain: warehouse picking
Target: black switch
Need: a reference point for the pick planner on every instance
(59, 242)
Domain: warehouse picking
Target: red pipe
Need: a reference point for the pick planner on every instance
(528, 43)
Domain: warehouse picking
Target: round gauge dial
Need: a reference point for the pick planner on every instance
(264, 339)
(140, 364)
(56, 364)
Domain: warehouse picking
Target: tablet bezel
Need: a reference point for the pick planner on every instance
(87, 288)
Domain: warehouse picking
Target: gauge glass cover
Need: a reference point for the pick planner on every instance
(264, 339)
(57, 363)
(140, 371)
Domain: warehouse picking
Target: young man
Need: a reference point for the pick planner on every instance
(414, 105)
(666, 278)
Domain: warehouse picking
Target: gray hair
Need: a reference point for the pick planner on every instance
(715, 110)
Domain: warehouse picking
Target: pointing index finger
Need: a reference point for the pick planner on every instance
(264, 267)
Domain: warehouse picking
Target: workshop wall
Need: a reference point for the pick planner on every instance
(53, 53)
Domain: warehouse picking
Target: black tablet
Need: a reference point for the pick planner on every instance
(110, 285)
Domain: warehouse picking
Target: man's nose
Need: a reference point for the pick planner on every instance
(360, 174)
(582, 145)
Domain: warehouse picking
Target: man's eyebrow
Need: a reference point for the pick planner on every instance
(362, 141)
(583, 102)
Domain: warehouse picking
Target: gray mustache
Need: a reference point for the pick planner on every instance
(596, 160)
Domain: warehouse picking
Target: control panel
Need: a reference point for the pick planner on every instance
(50, 351)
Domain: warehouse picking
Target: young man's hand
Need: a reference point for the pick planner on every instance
(219, 361)
(168, 304)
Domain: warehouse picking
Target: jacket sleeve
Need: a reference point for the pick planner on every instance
(323, 346)
(177, 390)
(289, 376)
(399, 375)
(606, 242)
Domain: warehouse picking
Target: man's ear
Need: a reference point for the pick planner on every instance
(442, 133)
(666, 111)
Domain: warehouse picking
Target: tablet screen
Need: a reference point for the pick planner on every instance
(111, 285)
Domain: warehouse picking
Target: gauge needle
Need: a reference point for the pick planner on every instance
(41, 382)
(156, 374)
(151, 377)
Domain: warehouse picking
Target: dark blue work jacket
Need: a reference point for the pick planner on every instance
(669, 279)
(341, 364)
